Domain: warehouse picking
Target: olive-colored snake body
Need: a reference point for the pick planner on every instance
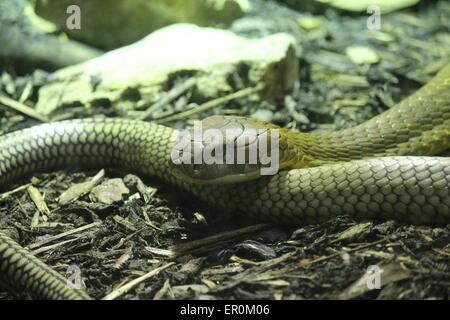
(380, 169)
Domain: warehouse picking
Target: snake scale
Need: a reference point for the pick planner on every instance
(381, 169)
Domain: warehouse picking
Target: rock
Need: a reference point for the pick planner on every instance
(385, 6)
(127, 21)
(263, 115)
(362, 55)
(110, 191)
(26, 37)
(310, 22)
(145, 65)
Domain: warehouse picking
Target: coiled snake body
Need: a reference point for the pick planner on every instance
(380, 169)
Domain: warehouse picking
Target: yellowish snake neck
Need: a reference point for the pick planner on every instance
(418, 125)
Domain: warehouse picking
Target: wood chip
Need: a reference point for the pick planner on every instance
(80, 189)
(39, 201)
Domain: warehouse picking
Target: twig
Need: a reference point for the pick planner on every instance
(207, 244)
(211, 104)
(130, 285)
(321, 259)
(171, 95)
(50, 247)
(18, 189)
(26, 92)
(62, 235)
(22, 108)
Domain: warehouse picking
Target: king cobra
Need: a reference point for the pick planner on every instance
(384, 168)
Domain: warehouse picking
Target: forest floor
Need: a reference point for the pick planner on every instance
(194, 251)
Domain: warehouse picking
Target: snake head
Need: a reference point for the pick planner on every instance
(228, 149)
